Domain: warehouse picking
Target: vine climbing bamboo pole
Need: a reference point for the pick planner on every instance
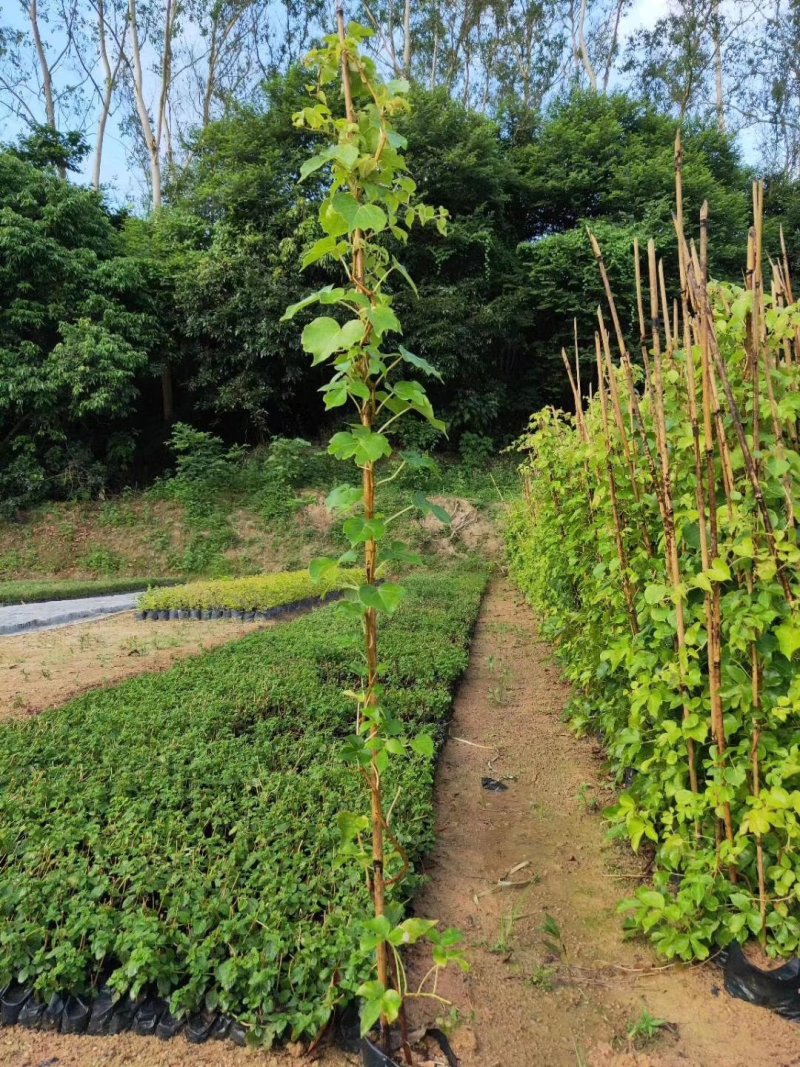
(640, 312)
(625, 358)
(759, 353)
(700, 302)
(583, 430)
(377, 873)
(616, 407)
(576, 398)
(714, 617)
(612, 487)
(670, 537)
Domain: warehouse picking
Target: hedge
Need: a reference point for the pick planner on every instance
(258, 593)
(177, 833)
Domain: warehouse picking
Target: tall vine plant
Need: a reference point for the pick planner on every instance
(370, 207)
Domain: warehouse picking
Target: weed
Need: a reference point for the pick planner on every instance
(101, 561)
(543, 978)
(499, 692)
(554, 942)
(588, 803)
(643, 1030)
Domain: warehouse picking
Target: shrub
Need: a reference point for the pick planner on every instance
(178, 832)
(259, 593)
(476, 450)
(203, 457)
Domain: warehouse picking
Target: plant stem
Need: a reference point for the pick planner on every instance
(377, 878)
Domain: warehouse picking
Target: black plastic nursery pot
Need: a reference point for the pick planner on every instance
(239, 615)
(778, 990)
(147, 1016)
(372, 1056)
(12, 1000)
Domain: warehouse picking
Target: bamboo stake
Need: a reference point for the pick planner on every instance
(670, 538)
(701, 303)
(577, 361)
(618, 419)
(664, 307)
(625, 359)
(575, 396)
(763, 898)
(713, 616)
(612, 485)
(640, 311)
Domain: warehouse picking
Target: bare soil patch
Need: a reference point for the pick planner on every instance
(22, 1048)
(469, 528)
(43, 669)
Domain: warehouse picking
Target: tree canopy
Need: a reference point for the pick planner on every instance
(114, 325)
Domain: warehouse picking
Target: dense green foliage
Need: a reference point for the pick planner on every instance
(179, 831)
(35, 590)
(76, 338)
(650, 700)
(259, 593)
(98, 313)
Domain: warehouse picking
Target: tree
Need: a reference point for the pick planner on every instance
(72, 351)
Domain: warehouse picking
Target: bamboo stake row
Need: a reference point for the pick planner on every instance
(725, 471)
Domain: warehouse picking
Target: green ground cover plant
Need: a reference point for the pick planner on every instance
(259, 593)
(180, 832)
(34, 590)
(658, 538)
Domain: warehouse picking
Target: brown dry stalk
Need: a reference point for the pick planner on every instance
(612, 487)
(620, 424)
(670, 538)
(702, 307)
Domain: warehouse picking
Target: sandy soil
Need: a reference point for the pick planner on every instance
(40, 670)
(525, 1003)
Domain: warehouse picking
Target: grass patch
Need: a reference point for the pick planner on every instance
(178, 832)
(33, 590)
(260, 593)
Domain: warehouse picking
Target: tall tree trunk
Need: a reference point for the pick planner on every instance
(153, 146)
(110, 75)
(718, 81)
(47, 76)
(407, 38)
(167, 394)
(582, 50)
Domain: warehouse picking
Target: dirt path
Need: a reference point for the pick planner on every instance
(526, 1003)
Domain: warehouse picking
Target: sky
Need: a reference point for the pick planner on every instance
(122, 178)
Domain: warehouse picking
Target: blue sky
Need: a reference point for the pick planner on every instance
(122, 177)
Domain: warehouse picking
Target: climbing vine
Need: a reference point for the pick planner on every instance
(369, 210)
(658, 537)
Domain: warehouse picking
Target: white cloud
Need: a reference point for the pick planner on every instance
(643, 15)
